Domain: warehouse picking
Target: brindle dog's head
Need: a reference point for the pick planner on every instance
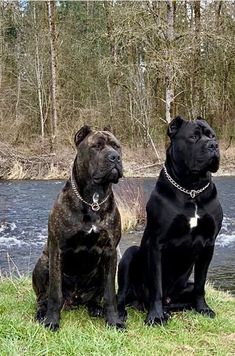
(99, 155)
(193, 145)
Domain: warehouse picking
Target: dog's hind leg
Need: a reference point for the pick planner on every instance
(124, 280)
(184, 300)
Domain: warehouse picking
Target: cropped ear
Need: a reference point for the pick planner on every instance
(200, 118)
(108, 128)
(174, 126)
(81, 134)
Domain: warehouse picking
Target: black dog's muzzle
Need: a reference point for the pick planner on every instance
(213, 146)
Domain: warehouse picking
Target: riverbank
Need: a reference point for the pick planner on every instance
(186, 333)
(38, 163)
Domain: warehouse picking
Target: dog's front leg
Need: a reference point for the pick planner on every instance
(200, 272)
(110, 303)
(155, 314)
(55, 285)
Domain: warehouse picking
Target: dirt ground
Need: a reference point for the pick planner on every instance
(19, 163)
(142, 163)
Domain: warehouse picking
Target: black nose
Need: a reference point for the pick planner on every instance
(114, 157)
(213, 145)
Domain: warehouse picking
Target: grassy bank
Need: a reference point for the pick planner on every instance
(187, 333)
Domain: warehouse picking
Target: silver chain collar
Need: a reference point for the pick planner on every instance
(192, 192)
(95, 206)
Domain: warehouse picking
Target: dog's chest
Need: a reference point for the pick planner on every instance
(193, 220)
(92, 240)
(83, 251)
(191, 228)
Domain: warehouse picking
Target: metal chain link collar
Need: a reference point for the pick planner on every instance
(192, 192)
(95, 206)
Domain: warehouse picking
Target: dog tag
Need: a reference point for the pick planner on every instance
(95, 205)
(192, 193)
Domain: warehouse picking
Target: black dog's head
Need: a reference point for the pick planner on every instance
(99, 155)
(193, 145)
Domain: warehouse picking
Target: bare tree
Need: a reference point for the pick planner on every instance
(169, 77)
(38, 72)
(51, 5)
(197, 61)
(1, 50)
(134, 63)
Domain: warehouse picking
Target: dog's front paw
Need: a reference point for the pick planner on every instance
(203, 308)
(40, 315)
(156, 318)
(52, 322)
(115, 321)
(206, 311)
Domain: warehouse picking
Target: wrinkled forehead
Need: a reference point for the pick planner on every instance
(204, 127)
(104, 137)
(198, 126)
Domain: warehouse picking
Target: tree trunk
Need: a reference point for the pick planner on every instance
(110, 29)
(112, 50)
(169, 76)
(16, 11)
(38, 75)
(219, 13)
(18, 91)
(51, 5)
(1, 49)
(196, 85)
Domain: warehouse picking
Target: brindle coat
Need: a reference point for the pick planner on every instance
(78, 263)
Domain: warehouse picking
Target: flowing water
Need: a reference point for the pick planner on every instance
(24, 208)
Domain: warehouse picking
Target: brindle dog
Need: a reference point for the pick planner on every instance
(78, 263)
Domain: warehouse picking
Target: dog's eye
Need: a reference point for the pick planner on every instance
(211, 135)
(97, 146)
(115, 146)
(194, 137)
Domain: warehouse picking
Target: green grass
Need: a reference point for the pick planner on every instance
(185, 334)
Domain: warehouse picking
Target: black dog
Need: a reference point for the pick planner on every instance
(184, 217)
(78, 264)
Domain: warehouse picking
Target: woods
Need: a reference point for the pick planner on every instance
(132, 64)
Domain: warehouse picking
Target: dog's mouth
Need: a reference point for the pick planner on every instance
(112, 176)
(211, 165)
(195, 171)
(214, 163)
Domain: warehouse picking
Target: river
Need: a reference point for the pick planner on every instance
(24, 208)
